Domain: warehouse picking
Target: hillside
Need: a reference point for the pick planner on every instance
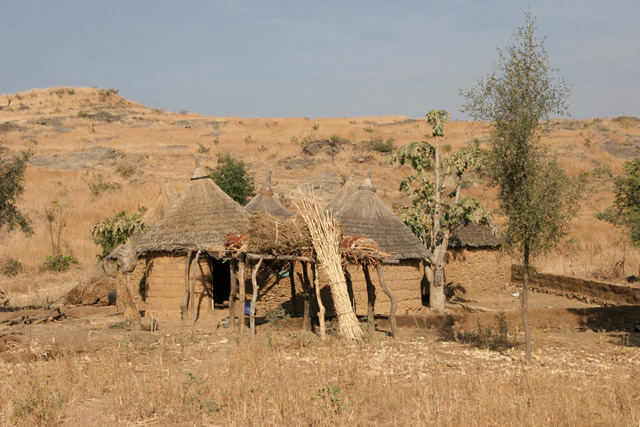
(83, 136)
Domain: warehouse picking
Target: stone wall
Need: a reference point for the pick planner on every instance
(574, 286)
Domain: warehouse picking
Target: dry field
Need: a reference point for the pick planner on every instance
(92, 368)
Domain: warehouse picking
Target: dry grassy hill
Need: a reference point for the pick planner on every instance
(83, 136)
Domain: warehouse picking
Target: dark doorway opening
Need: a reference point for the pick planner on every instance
(220, 272)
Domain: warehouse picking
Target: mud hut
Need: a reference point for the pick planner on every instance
(341, 197)
(265, 201)
(181, 258)
(475, 261)
(365, 215)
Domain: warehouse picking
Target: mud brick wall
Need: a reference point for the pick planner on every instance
(568, 285)
(478, 269)
(165, 286)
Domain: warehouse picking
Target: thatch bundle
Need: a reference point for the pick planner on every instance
(277, 236)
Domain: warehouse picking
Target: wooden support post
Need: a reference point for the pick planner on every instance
(193, 288)
(294, 305)
(243, 290)
(254, 297)
(184, 305)
(306, 325)
(371, 299)
(321, 309)
(392, 297)
(233, 293)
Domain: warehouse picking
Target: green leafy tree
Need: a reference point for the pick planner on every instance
(518, 99)
(626, 210)
(115, 231)
(12, 169)
(232, 177)
(437, 207)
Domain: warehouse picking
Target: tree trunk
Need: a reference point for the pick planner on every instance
(294, 305)
(436, 287)
(321, 309)
(233, 294)
(254, 297)
(184, 305)
(524, 305)
(243, 289)
(371, 300)
(193, 288)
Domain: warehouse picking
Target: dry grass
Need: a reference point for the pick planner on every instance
(291, 378)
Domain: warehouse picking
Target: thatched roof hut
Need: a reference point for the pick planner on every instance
(161, 205)
(365, 215)
(201, 218)
(341, 197)
(475, 236)
(265, 201)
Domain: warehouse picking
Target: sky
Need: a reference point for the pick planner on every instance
(302, 58)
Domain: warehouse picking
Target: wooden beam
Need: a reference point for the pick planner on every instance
(394, 301)
(371, 299)
(254, 297)
(233, 293)
(193, 289)
(243, 289)
(184, 305)
(321, 309)
(256, 257)
(294, 305)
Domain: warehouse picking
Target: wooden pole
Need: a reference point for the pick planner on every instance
(294, 305)
(371, 299)
(193, 288)
(243, 290)
(233, 294)
(184, 305)
(254, 297)
(321, 309)
(392, 297)
(306, 324)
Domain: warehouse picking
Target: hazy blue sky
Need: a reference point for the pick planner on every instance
(314, 58)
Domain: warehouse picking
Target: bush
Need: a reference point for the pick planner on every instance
(115, 231)
(381, 146)
(232, 177)
(126, 170)
(11, 267)
(97, 185)
(59, 263)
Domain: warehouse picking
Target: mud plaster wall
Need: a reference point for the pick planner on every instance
(568, 285)
(165, 285)
(477, 269)
(275, 291)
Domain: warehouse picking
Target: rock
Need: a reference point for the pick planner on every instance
(294, 162)
(362, 158)
(322, 146)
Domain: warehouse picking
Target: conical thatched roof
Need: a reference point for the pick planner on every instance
(475, 236)
(265, 201)
(366, 215)
(201, 218)
(161, 205)
(342, 195)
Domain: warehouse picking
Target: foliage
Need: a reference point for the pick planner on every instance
(12, 169)
(116, 230)
(98, 185)
(330, 395)
(59, 263)
(627, 201)
(277, 316)
(126, 170)
(197, 393)
(382, 146)
(55, 218)
(518, 98)
(233, 178)
(10, 267)
(203, 149)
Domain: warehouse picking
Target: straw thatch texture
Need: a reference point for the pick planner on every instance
(475, 236)
(366, 215)
(265, 201)
(160, 206)
(341, 197)
(201, 218)
(271, 235)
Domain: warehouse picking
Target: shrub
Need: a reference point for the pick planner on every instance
(97, 185)
(126, 170)
(83, 114)
(381, 146)
(115, 231)
(232, 177)
(11, 267)
(203, 149)
(59, 263)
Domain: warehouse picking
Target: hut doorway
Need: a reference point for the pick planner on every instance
(220, 273)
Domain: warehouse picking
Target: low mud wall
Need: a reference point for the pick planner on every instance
(575, 287)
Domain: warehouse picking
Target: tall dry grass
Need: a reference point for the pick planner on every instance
(294, 379)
